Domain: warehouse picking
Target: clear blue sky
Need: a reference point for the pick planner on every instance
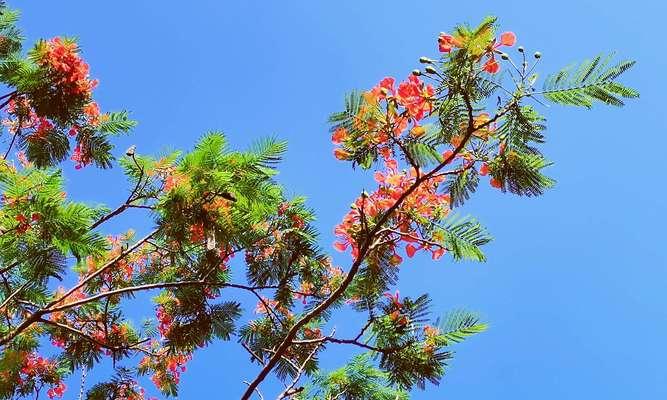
(574, 289)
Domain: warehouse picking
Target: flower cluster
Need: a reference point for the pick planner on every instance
(167, 368)
(164, 320)
(25, 224)
(130, 390)
(396, 314)
(385, 115)
(423, 203)
(35, 367)
(447, 43)
(61, 104)
(61, 57)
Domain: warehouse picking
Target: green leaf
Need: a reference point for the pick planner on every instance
(462, 185)
(520, 173)
(459, 325)
(592, 81)
(463, 238)
(117, 122)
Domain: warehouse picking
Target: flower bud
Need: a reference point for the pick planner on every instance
(130, 151)
(430, 70)
(425, 60)
(537, 54)
(504, 56)
(520, 48)
(416, 72)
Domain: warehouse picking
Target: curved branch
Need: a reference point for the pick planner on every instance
(366, 246)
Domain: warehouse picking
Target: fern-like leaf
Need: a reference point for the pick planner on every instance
(459, 325)
(591, 81)
(463, 238)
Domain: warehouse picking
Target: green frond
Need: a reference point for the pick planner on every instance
(345, 119)
(522, 127)
(458, 326)
(268, 151)
(593, 80)
(520, 173)
(422, 154)
(462, 186)
(463, 238)
(117, 122)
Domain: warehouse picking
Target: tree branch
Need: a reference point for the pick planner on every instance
(366, 245)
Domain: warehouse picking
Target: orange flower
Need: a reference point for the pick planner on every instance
(197, 232)
(417, 131)
(341, 154)
(92, 112)
(507, 39)
(447, 42)
(339, 135)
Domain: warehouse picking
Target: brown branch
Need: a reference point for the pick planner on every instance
(256, 390)
(34, 317)
(363, 251)
(14, 294)
(16, 133)
(289, 390)
(252, 353)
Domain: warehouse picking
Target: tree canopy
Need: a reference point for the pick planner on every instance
(470, 115)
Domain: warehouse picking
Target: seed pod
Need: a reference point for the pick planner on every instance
(520, 48)
(425, 60)
(416, 72)
(130, 151)
(537, 54)
(504, 56)
(430, 70)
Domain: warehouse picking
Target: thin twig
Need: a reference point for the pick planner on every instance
(289, 390)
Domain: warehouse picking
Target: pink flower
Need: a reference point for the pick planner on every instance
(447, 42)
(507, 39)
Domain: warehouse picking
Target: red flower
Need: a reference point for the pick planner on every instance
(436, 254)
(410, 250)
(44, 127)
(394, 298)
(447, 154)
(62, 58)
(491, 66)
(385, 87)
(415, 97)
(79, 157)
(57, 391)
(447, 42)
(484, 169)
(496, 183)
(340, 246)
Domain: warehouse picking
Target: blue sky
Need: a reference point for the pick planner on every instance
(574, 286)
